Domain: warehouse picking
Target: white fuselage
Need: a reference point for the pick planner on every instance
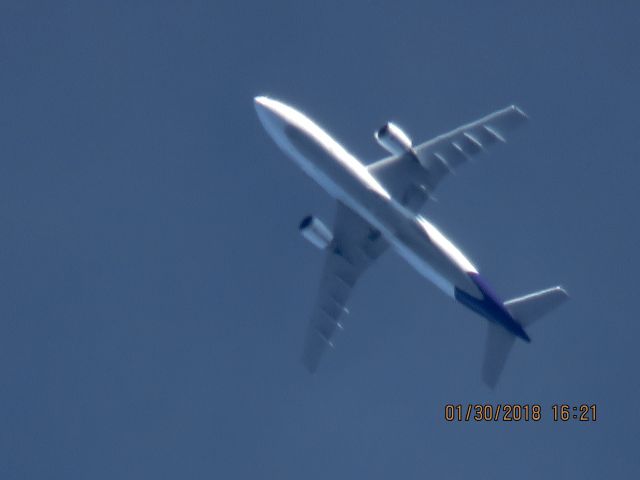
(344, 177)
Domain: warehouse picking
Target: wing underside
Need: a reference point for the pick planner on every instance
(354, 247)
(413, 176)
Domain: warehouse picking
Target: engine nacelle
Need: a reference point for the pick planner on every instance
(393, 139)
(316, 232)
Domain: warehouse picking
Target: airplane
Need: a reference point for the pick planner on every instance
(379, 206)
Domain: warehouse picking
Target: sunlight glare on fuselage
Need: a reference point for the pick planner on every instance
(445, 244)
(298, 119)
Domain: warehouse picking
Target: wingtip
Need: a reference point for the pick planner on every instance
(263, 102)
(522, 113)
(310, 366)
(563, 291)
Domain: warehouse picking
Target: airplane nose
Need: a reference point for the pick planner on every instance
(260, 100)
(268, 114)
(261, 109)
(259, 103)
(263, 105)
(280, 120)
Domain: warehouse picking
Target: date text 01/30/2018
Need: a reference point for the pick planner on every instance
(515, 412)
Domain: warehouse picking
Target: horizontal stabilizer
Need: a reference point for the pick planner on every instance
(529, 308)
(524, 310)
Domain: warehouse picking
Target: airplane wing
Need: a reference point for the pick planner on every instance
(413, 176)
(355, 245)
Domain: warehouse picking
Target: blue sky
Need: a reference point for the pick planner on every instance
(156, 290)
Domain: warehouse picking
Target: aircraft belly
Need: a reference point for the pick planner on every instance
(410, 240)
(346, 179)
(424, 268)
(322, 165)
(431, 261)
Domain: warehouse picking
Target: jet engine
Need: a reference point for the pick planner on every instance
(393, 139)
(316, 232)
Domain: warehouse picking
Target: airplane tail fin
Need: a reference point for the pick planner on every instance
(525, 310)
